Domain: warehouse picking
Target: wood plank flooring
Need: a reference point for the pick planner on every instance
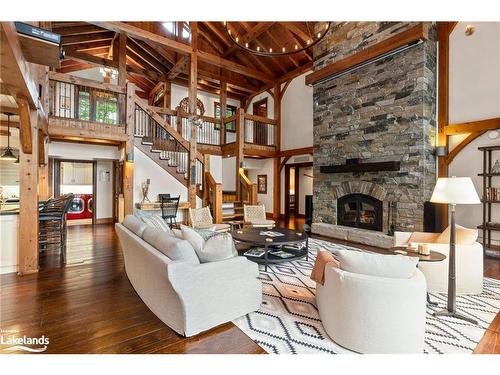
(89, 306)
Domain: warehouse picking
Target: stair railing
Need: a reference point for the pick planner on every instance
(248, 190)
(213, 197)
(260, 130)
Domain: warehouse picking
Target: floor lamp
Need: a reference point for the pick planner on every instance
(453, 191)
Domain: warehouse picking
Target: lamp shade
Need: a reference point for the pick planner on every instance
(455, 190)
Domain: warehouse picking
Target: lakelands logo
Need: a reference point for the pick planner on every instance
(9, 341)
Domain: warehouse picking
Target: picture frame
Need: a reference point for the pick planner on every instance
(262, 184)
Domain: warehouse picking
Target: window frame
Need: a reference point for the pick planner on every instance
(233, 112)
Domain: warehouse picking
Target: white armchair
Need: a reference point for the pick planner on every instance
(255, 216)
(468, 264)
(201, 218)
(371, 314)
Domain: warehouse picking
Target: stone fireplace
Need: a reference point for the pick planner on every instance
(382, 112)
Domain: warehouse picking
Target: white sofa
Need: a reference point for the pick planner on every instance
(372, 314)
(468, 265)
(188, 296)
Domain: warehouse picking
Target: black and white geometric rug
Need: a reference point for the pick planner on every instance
(288, 321)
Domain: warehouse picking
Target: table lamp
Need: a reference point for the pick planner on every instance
(453, 191)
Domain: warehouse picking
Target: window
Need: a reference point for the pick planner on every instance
(106, 108)
(230, 110)
(170, 27)
(84, 105)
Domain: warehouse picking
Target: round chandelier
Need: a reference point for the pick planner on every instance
(281, 38)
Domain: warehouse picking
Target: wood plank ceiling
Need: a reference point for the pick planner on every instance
(88, 45)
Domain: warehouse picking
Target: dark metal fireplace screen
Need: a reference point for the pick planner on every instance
(360, 211)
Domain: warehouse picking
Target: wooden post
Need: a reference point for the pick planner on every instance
(28, 197)
(128, 165)
(43, 167)
(240, 143)
(223, 105)
(167, 94)
(277, 140)
(218, 203)
(122, 60)
(193, 91)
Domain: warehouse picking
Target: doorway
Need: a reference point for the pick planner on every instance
(298, 184)
(77, 177)
(259, 128)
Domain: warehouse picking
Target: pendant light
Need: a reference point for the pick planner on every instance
(8, 154)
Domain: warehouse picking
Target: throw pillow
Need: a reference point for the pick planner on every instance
(219, 246)
(157, 221)
(392, 266)
(151, 234)
(420, 237)
(206, 234)
(135, 225)
(323, 258)
(463, 236)
(175, 249)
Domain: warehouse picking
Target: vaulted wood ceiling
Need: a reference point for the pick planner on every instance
(148, 63)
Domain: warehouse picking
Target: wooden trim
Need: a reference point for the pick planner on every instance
(25, 133)
(55, 76)
(453, 153)
(413, 34)
(104, 220)
(472, 126)
(276, 188)
(262, 119)
(297, 151)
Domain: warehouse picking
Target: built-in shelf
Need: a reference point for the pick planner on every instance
(361, 167)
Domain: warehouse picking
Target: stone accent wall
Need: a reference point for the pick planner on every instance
(384, 111)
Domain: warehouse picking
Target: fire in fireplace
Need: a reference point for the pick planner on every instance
(360, 211)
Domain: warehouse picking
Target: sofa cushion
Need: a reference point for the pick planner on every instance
(174, 248)
(218, 246)
(391, 266)
(134, 224)
(157, 221)
(463, 236)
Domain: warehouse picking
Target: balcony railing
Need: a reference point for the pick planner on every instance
(85, 103)
(260, 130)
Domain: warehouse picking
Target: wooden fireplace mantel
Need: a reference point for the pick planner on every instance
(413, 34)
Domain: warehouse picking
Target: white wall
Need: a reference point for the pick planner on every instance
(228, 174)
(216, 168)
(474, 95)
(297, 115)
(270, 104)
(80, 151)
(262, 166)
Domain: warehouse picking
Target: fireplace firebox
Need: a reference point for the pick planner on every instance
(360, 211)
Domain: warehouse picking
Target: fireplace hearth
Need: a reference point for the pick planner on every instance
(360, 211)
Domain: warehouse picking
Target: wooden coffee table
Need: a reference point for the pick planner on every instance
(434, 256)
(253, 237)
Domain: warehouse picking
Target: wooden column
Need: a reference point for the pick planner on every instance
(240, 143)
(277, 160)
(28, 194)
(193, 91)
(122, 60)
(43, 167)
(128, 166)
(223, 105)
(167, 94)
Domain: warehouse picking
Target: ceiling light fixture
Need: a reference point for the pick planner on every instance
(304, 36)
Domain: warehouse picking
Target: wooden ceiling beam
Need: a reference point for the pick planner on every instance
(86, 38)
(472, 126)
(164, 60)
(147, 36)
(87, 46)
(289, 57)
(179, 67)
(77, 30)
(212, 26)
(250, 35)
(148, 60)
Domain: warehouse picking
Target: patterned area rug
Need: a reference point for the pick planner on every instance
(288, 321)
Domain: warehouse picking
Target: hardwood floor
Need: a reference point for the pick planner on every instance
(89, 306)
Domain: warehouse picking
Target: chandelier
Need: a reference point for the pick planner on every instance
(281, 38)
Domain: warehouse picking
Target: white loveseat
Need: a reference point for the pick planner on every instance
(468, 264)
(373, 314)
(188, 296)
